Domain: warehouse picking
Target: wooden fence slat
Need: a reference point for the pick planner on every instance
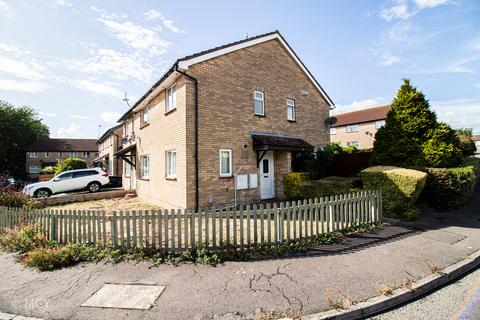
(207, 228)
(122, 228)
(140, 229)
(214, 227)
(255, 224)
(134, 228)
(147, 229)
(185, 230)
(179, 229)
(154, 226)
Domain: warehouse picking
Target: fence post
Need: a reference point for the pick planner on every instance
(53, 224)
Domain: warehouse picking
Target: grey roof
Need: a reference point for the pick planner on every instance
(64, 145)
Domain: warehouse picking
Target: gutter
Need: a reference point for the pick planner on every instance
(195, 82)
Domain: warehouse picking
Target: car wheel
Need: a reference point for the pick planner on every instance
(42, 193)
(93, 187)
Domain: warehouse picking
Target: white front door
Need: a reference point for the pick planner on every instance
(267, 184)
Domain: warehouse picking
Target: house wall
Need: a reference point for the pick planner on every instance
(43, 161)
(364, 140)
(109, 146)
(164, 132)
(226, 116)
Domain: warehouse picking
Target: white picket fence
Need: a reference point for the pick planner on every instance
(174, 231)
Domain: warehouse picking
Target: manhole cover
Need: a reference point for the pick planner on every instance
(125, 296)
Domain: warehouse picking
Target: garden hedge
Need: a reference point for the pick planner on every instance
(400, 189)
(451, 188)
(291, 183)
(330, 186)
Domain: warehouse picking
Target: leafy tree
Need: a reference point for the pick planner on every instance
(411, 131)
(467, 145)
(70, 164)
(19, 127)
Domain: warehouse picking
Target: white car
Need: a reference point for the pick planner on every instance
(92, 180)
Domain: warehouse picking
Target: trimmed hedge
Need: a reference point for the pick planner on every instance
(291, 183)
(70, 164)
(330, 186)
(451, 188)
(400, 189)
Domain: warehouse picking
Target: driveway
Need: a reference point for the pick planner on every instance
(352, 271)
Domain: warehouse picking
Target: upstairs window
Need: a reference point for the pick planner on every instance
(73, 154)
(171, 98)
(33, 155)
(171, 163)
(352, 128)
(333, 131)
(259, 103)
(47, 154)
(85, 154)
(379, 124)
(290, 110)
(145, 118)
(225, 163)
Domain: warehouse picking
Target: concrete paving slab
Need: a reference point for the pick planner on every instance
(443, 236)
(125, 296)
(6, 316)
(25, 318)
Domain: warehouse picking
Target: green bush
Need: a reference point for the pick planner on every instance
(330, 186)
(442, 149)
(400, 189)
(70, 164)
(291, 183)
(467, 145)
(48, 170)
(451, 188)
(21, 239)
(11, 198)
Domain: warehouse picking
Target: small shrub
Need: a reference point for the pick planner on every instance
(330, 186)
(70, 164)
(467, 145)
(451, 188)
(21, 239)
(48, 170)
(400, 189)
(48, 258)
(11, 198)
(441, 150)
(291, 183)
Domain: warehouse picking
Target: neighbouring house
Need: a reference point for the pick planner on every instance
(358, 128)
(47, 152)
(222, 126)
(476, 139)
(108, 145)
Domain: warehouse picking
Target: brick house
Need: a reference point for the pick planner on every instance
(108, 145)
(222, 126)
(358, 128)
(47, 152)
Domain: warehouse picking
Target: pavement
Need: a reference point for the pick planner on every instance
(458, 300)
(327, 277)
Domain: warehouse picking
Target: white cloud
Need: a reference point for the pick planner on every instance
(59, 3)
(399, 10)
(459, 113)
(119, 66)
(110, 117)
(430, 3)
(388, 59)
(136, 36)
(22, 86)
(360, 104)
(99, 88)
(29, 69)
(73, 131)
(81, 117)
(152, 14)
(5, 10)
(47, 114)
(169, 25)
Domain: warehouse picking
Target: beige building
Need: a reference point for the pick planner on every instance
(222, 126)
(358, 128)
(47, 152)
(108, 145)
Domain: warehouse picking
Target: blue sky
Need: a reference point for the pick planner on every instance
(73, 60)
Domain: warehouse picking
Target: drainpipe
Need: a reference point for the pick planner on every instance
(195, 83)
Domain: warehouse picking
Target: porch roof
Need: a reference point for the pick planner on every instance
(264, 142)
(130, 149)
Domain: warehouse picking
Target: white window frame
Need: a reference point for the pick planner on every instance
(85, 155)
(379, 124)
(129, 171)
(144, 173)
(142, 117)
(352, 128)
(47, 154)
(33, 155)
(168, 165)
(38, 169)
(230, 172)
(291, 104)
(171, 98)
(262, 100)
(333, 131)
